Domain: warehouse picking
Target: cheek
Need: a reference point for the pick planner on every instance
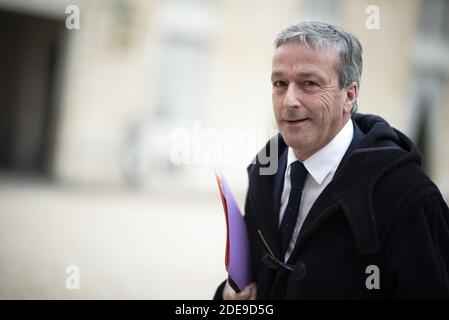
(276, 98)
(325, 106)
(276, 109)
(277, 105)
(326, 100)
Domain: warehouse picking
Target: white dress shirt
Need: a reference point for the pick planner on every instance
(321, 167)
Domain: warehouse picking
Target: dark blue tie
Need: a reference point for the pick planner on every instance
(298, 174)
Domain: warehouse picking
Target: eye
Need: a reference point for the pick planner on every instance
(309, 83)
(279, 83)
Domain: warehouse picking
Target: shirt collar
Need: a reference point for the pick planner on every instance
(327, 158)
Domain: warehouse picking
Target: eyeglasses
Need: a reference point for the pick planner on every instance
(299, 270)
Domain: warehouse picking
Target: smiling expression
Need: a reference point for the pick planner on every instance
(309, 106)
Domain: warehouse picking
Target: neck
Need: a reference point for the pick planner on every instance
(303, 155)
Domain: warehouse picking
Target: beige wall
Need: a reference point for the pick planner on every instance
(110, 88)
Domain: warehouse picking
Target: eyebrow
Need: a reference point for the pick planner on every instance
(304, 74)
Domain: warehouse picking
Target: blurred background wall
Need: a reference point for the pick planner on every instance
(109, 133)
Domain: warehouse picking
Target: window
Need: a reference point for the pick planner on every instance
(179, 78)
(433, 21)
(323, 10)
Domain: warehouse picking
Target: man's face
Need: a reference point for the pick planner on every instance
(309, 106)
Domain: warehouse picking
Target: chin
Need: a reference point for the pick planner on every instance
(295, 143)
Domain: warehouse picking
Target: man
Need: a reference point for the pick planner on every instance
(349, 213)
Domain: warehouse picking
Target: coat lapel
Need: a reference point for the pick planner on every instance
(333, 198)
(267, 191)
(278, 183)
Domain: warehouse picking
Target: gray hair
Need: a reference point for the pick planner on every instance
(323, 35)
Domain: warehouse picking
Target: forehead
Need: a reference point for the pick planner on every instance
(295, 57)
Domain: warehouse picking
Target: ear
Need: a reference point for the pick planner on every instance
(351, 95)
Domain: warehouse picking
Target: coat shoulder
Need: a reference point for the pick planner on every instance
(398, 195)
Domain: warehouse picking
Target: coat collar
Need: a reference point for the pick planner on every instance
(346, 193)
(376, 148)
(322, 162)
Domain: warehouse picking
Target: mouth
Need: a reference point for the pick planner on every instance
(296, 122)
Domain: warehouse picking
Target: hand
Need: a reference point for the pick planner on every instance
(248, 294)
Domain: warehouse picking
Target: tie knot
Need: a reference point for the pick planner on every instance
(298, 174)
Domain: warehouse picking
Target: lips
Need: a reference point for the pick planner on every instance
(296, 121)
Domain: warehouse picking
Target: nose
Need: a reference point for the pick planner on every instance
(291, 98)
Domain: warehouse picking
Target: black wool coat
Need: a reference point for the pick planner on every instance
(379, 230)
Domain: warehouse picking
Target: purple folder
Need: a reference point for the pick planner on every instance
(238, 255)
